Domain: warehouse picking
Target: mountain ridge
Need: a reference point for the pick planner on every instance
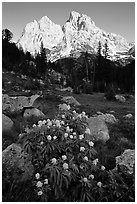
(79, 33)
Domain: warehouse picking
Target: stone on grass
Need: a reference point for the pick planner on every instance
(70, 100)
(29, 112)
(7, 123)
(64, 107)
(126, 161)
(108, 118)
(128, 116)
(98, 129)
(120, 98)
(17, 163)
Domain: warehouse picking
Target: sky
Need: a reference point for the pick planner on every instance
(113, 17)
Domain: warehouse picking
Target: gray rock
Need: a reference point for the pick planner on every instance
(98, 129)
(71, 100)
(17, 163)
(108, 118)
(29, 112)
(7, 123)
(120, 98)
(126, 161)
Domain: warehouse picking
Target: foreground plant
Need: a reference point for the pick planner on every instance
(66, 163)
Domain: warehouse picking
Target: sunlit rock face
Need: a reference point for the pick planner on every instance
(78, 34)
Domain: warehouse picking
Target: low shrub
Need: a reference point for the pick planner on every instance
(67, 168)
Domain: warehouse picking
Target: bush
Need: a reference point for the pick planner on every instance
(66, 164)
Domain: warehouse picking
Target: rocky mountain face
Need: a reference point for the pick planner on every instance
(79, 34)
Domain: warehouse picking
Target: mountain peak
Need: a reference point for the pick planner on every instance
(79, 34)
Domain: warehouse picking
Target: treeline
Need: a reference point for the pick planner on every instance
(86, 73)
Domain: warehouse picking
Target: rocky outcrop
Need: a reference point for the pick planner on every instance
(79, 34)
(98, 129)
(126, 161)
(29, 112)
(7, 124)
(70, 100)
(17, 163)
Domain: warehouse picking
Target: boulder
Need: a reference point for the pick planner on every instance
(7, 123)
(17, 163)
(71, 100)
(29, 112)
(120, 98)
(98, 129)
(126, 161)
(33, 98)
(128, 116)
(64, 107)
(108, 118)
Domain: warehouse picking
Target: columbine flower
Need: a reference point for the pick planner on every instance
(74, 133)
(91, 176)
(68, 107)
(40, 122)
(99, 184)
(54, 160)
(49, 123)
(103, 168)
(71, 136)
(91, 144)
(85, 179)
(74, 111)
(55, 137)
(37, 175)
(41, 143)
(82, 149)
(67, 129)
(34, 125)
(62, 122)
(39, 184)
(81, 137)
(49, 137)
(63, 116)
(87, 131)
(44, 121)
(95, 162)
(46, 181)
(65, 166)
(48, 120)
(85, 158)
(66, 134)
(71, 130)
(40, 193)
(64, 157)
(83, 113)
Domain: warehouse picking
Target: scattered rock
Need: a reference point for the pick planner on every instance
(64, 107)
(33, 98)
(120, 98)
(29, 112)
(126, 161)
(108, 118)
(128, 116)
(71, 100)
(98, 129)
(17, 163)
(7, 123)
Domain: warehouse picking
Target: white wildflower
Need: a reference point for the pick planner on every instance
(64, 157)
(54, 160)
(46, 181)
(65, 166)
(63, 116)
(67, 129)
(74, 133)
(49, 123)
(41, 143)
(34, 125)
(82, 149)
(85, 179)
(81, 137)
(99, 184)
(37, 175)
(91, 144)
(91, 176)
(55, 137)
(39, 184)
(49, 137)
(71, 136)
(66, 134)
(40, 193)
(95, 162)
(103, 168)
(85, 158)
